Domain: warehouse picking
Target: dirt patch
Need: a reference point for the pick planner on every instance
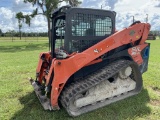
(155, 102)
(157, 90)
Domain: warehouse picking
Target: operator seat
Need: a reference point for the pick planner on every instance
(90, 32)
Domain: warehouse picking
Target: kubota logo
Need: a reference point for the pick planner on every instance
(136, 50)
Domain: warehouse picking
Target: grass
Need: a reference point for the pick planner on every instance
(18, 61)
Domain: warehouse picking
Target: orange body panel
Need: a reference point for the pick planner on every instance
(65, 68)
(135, 53)
(40, 69)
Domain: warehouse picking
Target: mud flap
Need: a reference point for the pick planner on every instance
(42, 98)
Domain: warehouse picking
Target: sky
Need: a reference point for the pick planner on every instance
(125, 10)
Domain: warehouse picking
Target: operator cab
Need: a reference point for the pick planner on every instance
(77, 29)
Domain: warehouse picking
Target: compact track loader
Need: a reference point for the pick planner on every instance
(90, 65)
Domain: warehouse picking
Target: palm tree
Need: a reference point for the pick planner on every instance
(19, 16)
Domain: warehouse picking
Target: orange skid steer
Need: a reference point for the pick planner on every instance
(90, 65)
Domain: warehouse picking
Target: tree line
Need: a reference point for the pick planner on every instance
(155, 32)
(13, 33)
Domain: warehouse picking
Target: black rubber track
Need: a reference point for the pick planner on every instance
(69, 93)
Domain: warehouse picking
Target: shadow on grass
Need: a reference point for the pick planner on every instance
(24, 47)
(130, 108)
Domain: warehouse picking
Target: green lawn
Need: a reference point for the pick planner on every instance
(18, 61)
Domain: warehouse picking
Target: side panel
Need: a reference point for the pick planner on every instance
(140, 54)
(135, 53)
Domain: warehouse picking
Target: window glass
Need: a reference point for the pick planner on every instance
(103, 26)
(60, 24)
(91, 25)
(60, 32)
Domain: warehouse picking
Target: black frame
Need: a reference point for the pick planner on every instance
(68, 12)
(72, 11)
